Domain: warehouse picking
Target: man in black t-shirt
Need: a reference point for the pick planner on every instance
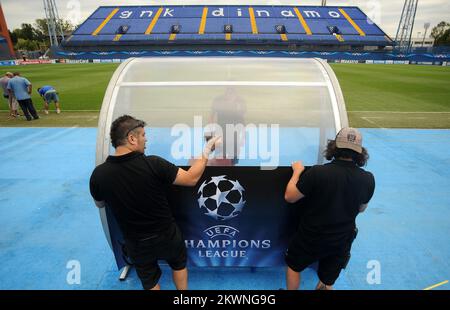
(332, 196)
(135, 187)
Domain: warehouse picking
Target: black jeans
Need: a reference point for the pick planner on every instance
(28, 108)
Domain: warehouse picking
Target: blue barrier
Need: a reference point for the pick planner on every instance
(330, 56)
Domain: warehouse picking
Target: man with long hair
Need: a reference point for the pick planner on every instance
(333, 195)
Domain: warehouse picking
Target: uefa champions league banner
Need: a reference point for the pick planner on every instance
(236, 216)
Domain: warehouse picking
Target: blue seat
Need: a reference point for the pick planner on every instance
(215, 25)
(292, 25)
(312, 39)
(88, 27)
(102, 12)
(378, 40)
(344, 26)
(240, 25)
(136, 26)
(355, 13)
(209, 37)
(188, 25)
(370, 29)
(267, 37)
(318, 26)
(90, 38)
(242, 37)
(188, 11)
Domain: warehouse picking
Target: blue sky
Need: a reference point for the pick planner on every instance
(386, 13)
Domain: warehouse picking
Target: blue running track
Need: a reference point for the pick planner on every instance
(47, 217)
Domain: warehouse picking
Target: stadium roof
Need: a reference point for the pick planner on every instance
(156, 25)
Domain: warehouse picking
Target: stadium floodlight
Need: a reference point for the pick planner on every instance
(334, 30)
(123, 29)
(175, 29)
(405, 26)
(281, 29)
(228, 28)
(54, 23)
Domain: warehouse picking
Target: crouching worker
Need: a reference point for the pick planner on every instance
(135, 187)
(334, 194)
(49, 94)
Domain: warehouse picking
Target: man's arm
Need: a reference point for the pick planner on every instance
(30, 88)
(191, 176)
(292, 194)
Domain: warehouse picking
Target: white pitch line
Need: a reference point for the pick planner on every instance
(372, 122)
(436, 285)
(400, 112)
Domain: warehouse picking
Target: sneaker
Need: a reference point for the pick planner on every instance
(58, 111)
(46, 111)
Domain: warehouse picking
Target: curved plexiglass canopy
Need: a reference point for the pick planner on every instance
(295, 105)
(300, 96)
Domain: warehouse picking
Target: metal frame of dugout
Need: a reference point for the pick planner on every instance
(301, 96)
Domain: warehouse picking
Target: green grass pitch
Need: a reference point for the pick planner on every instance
(386, 96)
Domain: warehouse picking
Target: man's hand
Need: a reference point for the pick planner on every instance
(100, 204)
(363, 208)
(211, 146)
(297, 167)
(292, 193)
(191, 177)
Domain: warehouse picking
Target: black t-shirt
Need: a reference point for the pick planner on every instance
(333, 194)
(135, 187)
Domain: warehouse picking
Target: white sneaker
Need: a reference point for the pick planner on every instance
(46, 111)
(58, 111)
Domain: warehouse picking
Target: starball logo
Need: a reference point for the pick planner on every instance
(223, 198)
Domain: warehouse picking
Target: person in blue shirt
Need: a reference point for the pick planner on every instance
(49, 94)
(21, 88)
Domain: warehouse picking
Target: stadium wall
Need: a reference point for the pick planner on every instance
(334, 57)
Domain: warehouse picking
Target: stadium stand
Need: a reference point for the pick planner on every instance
(4, 49)
(236, 27)
(6, 46)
